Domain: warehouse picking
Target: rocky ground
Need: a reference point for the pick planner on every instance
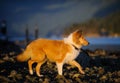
(99, 65)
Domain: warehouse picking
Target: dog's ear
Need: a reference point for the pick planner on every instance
(78, 33)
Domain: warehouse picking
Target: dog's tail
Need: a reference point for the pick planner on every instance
(23, 56)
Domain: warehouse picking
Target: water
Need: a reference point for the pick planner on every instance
(106, 43)
(104, 40)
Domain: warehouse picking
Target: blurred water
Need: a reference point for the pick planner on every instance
(106, 43)
(104, 40)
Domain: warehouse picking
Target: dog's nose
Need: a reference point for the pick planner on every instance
(88, 43)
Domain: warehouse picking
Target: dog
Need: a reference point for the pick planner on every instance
(58, 51)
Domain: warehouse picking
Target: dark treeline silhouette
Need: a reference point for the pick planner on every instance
(108, 26)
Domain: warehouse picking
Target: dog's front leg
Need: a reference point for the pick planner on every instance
(74, 63)
(59, 66)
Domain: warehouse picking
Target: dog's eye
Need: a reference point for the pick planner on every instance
(82, 38)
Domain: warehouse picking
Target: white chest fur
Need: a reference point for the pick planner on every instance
(72, 55)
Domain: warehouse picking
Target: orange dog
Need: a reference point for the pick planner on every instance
(58, 51)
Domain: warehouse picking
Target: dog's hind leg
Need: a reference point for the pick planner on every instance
(38, 68)
(40, 59)
(30, 62)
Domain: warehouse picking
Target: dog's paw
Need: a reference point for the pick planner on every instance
(40, 75)
(82, 72)
(31, 72)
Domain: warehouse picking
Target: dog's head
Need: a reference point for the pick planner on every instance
(79, 39)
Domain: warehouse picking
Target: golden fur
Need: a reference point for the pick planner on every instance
(58, 51)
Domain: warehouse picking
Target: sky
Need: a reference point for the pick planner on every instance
(48, 15)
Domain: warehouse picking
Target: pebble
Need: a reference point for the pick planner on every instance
(12, 73)
(1, 61)
(117, 80)
(103, 78)
(46, 80)
(76, 75)
(4, 79)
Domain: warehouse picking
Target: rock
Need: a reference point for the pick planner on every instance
(109, 74)
(1, 61)
(30, 79)
(94, 81)
(4, 79)
(87, 69)
(103, 78)
(97, 52)
(19, 76)
(12, 53)
(118, 73)
(78, 80)
(61, 79)
(12, 73)
(46, 80)
(40, 80)
(95, 68)
(6, 58)
(100, 52)
(101, 70)
(76, 75)
(117, 80)
(91, 53)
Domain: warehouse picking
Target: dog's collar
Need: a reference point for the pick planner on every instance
(76, 48)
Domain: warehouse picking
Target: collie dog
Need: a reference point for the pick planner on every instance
(58, 51)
